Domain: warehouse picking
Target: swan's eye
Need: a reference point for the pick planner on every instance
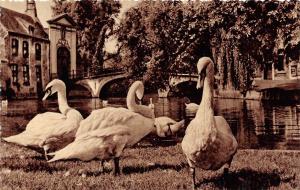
(48, 90)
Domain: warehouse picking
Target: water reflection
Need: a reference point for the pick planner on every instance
(255, 124)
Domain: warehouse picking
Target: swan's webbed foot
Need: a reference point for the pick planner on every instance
(193, 173)
(117, 166)
(101, 166)
(227, 166)
(45, 152)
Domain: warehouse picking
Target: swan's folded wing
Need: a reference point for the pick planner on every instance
(104, 118)
(63, 130)
(103, 144)
(43, 120)
(222, 125)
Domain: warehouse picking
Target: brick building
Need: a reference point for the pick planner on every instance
(28, 57)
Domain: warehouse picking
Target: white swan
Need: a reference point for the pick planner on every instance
(105, 132)
(190, 107)
(151, 105)
(50, 130)
(166, 126)
(208, 142)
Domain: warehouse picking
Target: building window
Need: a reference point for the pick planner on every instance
(14, 69)
(26, 74)
(14, 46)
(38, 73)
(25, 49)
(31, 29)
(63, 33)
(280, 63)
(37, 51)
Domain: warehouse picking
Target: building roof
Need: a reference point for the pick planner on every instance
(19, 23)
(55, 20)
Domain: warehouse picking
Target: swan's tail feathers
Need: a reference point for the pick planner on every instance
(55, 158)
(68, 152)
(22, 139)
(51, 153)
(177, 126)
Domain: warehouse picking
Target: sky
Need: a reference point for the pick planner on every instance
(44, 12)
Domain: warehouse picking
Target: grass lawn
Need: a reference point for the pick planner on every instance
(148, 167)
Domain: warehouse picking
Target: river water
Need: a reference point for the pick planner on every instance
(256, 124)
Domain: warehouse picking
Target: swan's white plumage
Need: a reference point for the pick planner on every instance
(191, 107)
(50, 129)
(139, 126)
(208, 142)
(151, 105)
(38, 122)
(123, 127)
(101, 143)
(137, 90)
(166, 126)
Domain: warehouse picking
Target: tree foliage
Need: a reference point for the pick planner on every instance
(95, 21)
(164, 37)
(157, 36)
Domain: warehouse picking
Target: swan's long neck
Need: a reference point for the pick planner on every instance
(62, 101)
(205, 111)
(207, 97)
(133, 106)
(130, 100)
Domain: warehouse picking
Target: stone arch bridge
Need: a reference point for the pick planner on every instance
(176, 79)
(94, 82)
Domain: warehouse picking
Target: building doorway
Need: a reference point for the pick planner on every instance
(63, 64)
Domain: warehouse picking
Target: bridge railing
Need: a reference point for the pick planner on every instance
(184, 74)
(90, 73)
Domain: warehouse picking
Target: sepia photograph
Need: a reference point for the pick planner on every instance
(149, 94)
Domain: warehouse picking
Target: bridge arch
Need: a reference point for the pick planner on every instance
(95, 85)
(116, 87)
(188, 89)
(78, 90)
(183, 85)
(180, 78)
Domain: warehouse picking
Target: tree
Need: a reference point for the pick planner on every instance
(160, 38)
(95, 23)
(254, 34)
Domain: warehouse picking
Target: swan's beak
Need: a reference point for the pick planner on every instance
(46, 95)
(200, 81)
(48, 92)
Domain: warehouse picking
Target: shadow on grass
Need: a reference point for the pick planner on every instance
(99, 172)
(152, 141)
(245, 179)
(137, 169)
(143, 169)
(37, 163)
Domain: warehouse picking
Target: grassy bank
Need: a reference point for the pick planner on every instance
(148, 167)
